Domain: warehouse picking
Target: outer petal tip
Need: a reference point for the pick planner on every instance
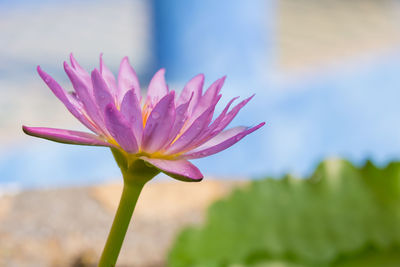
(65, 136)
(75, 65)
(32, 131)
(41, 73)
(260, 125)
(125, 60)
(220, 82)
(28, 130)
(200, 76)
(95, 74)
(25, 129)
(45, 76)
(95, 71)
(66, 66)
(160, 74)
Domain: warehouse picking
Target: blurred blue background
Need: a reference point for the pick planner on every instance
(326, 76)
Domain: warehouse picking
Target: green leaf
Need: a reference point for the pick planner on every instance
(339, 215)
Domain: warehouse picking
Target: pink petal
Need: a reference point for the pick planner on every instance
(101, 90)
(222, 136)
(65, 136)
(221, 116)
(120, 130)
(67, 100)
(84, 95)
(230, 116)
(157, 89)
(215, 147)
(108, 77)
(127, 80)
(209, 97)
(81, 72)
(181, 115)
(159, 124)
(191, 133)
(130, 109)
(193, 89)
(210, 132)
(181, 170)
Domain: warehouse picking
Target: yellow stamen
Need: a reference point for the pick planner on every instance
(145, 114)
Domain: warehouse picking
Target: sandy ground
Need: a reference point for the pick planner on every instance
(64, 227)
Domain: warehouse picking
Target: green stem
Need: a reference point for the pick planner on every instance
(129, 197)
(136, 174)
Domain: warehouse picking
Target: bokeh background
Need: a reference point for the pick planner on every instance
(326, 76)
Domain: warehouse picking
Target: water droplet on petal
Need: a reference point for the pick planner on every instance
(238, 138)
(155, 115)
(47, 80)
(203, 153)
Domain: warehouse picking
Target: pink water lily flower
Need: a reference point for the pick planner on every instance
(163, 129)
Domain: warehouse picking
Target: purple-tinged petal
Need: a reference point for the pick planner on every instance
(157, 89)
(101, 90)
(108, 77)
(221, 122)
(119, 129)
(210, 132)
(159, 124)
(181, 170)
(70, 103)
(230, 116)
(193, 89)
(222, 136)
(218, 120)
(181, 115)
(66, 136)
(127, 80)
(81, 72)
(84, 95)
(130, 109)
(191, 133)
(222, 145)
(209, 96)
